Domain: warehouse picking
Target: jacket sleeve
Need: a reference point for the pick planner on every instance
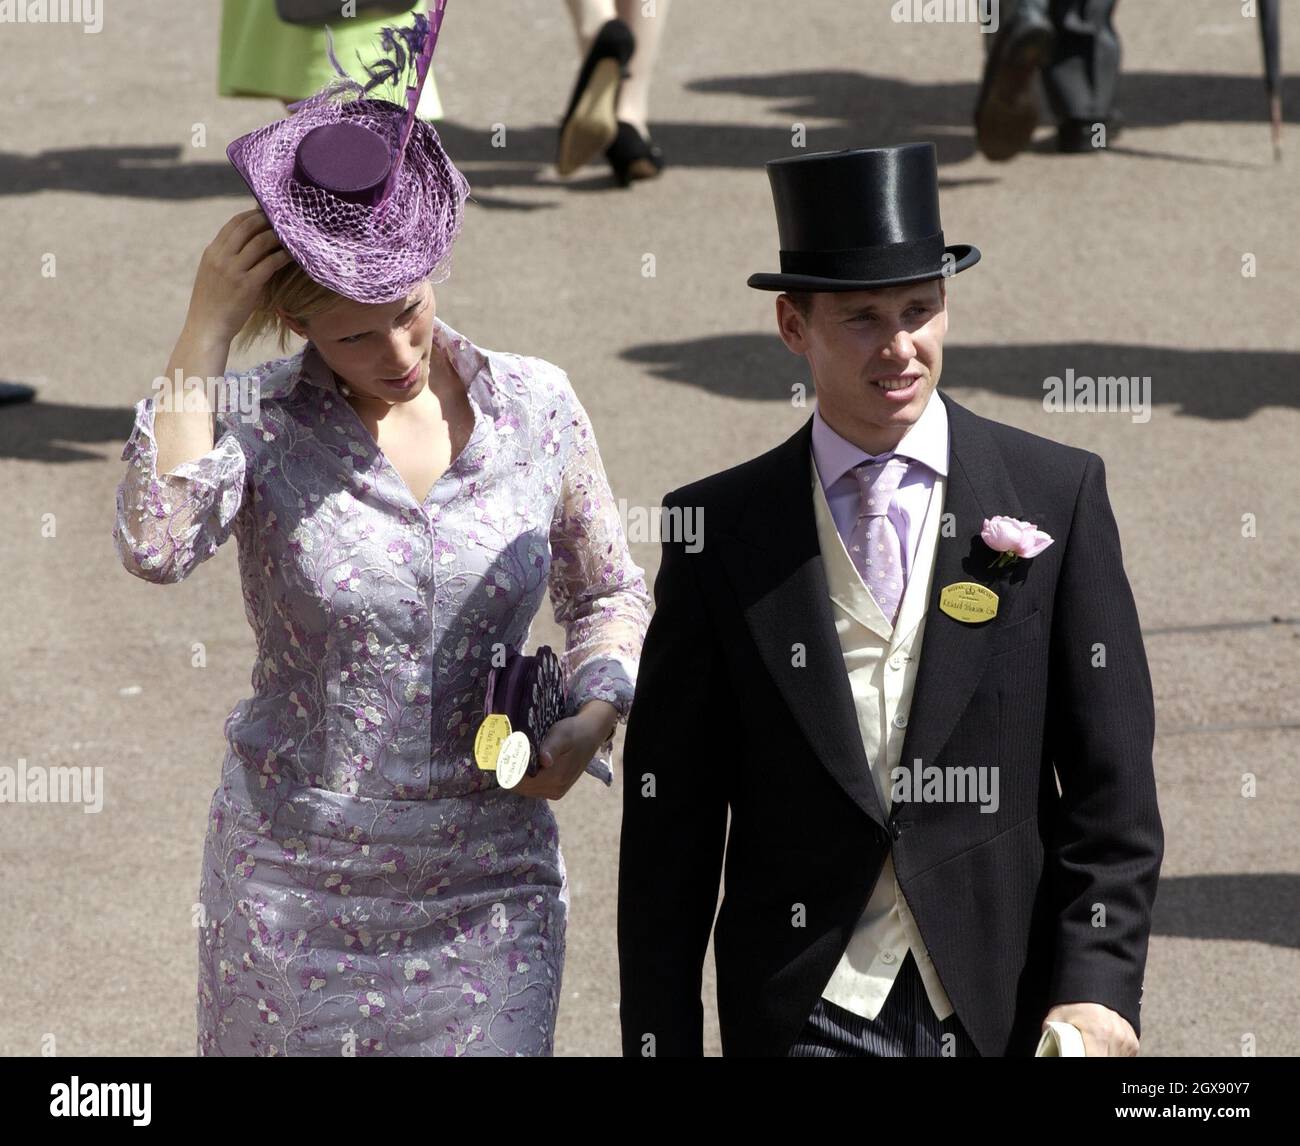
(1103, 858)
(674, 816)
(598, 593)
(166, 524)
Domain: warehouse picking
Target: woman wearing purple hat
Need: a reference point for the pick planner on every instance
(402, 501)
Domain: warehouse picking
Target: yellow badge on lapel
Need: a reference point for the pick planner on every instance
(969, 602)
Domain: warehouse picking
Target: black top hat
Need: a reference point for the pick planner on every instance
(859, 219)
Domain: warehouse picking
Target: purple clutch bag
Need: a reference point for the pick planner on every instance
(529, 691)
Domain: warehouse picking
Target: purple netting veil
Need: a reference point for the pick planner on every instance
(372, 243)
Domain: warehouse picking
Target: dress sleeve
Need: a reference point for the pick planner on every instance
(598, 592)
(167, 524)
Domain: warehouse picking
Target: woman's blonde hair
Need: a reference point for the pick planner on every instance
(301, 298)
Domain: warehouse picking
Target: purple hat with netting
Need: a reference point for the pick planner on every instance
(359, 191)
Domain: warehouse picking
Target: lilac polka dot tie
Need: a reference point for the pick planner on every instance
(874, 544)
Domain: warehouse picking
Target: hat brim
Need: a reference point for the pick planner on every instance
(347, 247)
(965, 254)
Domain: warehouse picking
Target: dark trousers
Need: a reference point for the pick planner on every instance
(906, 1027)
(1081, 78)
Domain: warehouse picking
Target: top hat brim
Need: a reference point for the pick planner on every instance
(965, 254)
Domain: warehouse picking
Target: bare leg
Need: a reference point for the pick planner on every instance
(588, 16)
(646, 18)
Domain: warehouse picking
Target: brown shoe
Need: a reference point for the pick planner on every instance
(1006, 112)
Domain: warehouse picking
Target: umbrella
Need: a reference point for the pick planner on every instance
(1271, 37)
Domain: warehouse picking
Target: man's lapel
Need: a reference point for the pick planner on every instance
(774, 559)
(775, 563)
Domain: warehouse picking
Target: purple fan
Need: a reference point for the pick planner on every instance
(529, 691)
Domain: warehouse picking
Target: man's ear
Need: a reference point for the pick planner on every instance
(790, 325)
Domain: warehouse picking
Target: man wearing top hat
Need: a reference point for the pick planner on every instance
(901, 684)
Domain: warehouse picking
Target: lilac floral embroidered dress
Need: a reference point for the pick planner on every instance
(367, 889)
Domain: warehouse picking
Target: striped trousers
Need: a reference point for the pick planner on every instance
(906, 1027)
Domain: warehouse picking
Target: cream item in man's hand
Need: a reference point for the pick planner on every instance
(1061, 1040)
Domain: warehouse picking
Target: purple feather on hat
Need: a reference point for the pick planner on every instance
(420, 41)
(359, 190)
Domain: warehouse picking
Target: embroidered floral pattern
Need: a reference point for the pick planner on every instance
(366, 888)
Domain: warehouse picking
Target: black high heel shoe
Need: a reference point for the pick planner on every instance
(632, 156)
(591, 124)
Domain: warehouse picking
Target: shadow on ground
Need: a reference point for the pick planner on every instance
(1185, 382)
(1263, 908)
(840, 109)
(757, 367)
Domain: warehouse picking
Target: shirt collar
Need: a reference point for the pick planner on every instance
(926, 441)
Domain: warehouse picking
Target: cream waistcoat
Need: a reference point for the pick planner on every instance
(881, 663)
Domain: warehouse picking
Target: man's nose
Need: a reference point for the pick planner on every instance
(901, 345)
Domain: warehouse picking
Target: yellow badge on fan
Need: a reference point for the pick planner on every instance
(969, 602)
(488, 740)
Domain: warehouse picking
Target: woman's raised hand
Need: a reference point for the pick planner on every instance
(232, 272)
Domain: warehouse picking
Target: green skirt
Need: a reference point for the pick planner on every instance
(263, 57)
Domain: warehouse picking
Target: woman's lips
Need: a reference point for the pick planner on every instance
(407, 380)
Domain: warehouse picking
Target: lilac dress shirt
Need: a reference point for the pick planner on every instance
(925, 442)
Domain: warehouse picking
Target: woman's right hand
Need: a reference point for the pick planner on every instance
(232, 272)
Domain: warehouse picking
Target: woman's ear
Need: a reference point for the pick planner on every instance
(296, 327)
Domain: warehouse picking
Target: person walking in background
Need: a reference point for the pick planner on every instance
(263, 56)
(609, 108)
(1073, 45)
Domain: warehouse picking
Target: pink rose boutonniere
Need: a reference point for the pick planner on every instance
(1013, 539)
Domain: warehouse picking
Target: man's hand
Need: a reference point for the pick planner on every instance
(568, 748)
(1106, 1033)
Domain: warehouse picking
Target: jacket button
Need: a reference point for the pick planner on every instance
(895, 828)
